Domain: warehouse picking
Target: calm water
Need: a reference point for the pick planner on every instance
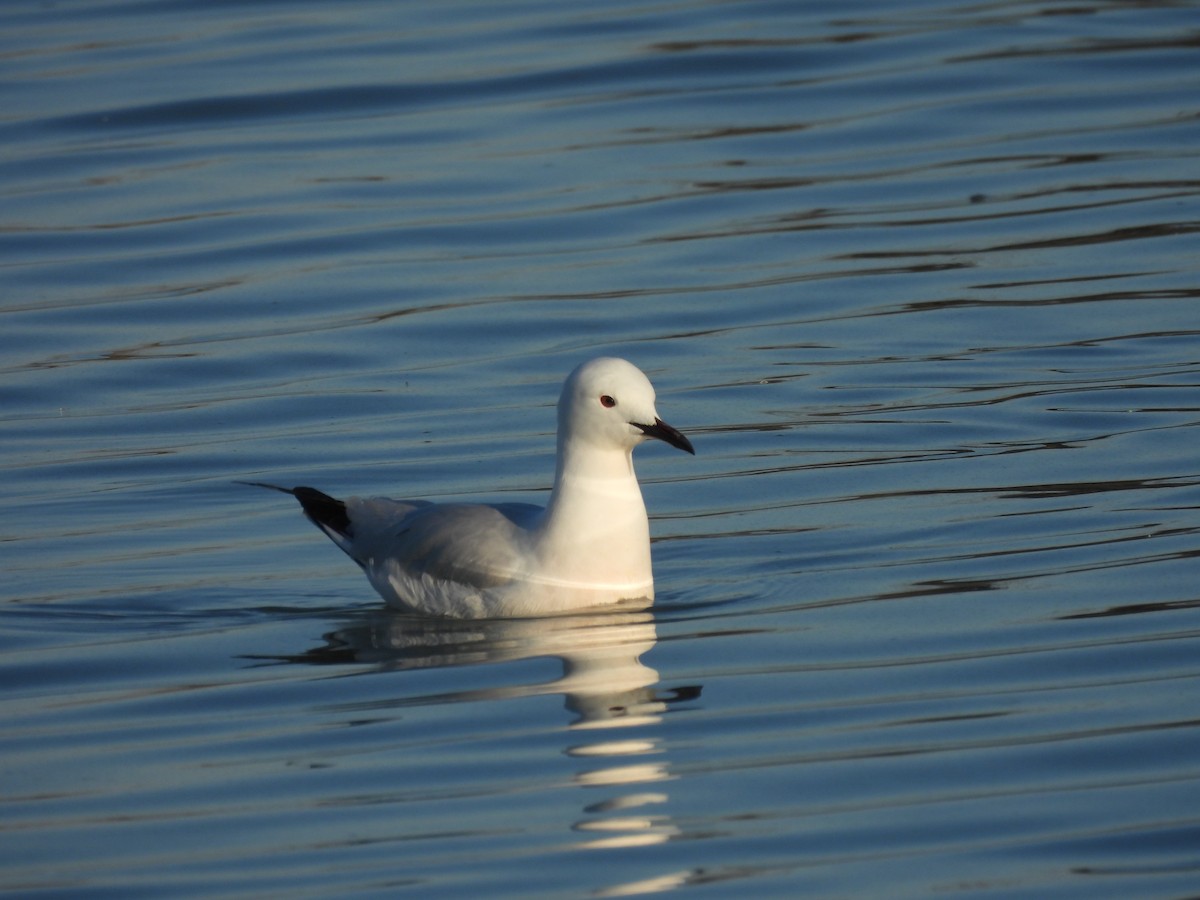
(921, 282)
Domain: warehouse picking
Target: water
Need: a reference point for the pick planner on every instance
(920, 283)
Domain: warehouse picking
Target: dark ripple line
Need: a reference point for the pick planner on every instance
(1114, 235)
(695, 71)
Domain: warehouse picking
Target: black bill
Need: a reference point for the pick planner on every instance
(665, 432)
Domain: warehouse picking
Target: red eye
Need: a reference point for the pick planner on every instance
(607, 401)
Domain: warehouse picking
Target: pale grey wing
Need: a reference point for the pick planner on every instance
(475, 545)
(363, 522)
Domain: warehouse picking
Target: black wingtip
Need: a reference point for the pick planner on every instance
(269, 487)
(323, 510)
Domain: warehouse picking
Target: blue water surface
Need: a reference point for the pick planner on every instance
(919, 280)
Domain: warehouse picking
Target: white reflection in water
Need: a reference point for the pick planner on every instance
(613, 694)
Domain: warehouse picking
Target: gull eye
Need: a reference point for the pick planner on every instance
(607, 402)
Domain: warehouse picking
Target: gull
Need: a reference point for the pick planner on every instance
(588, 547)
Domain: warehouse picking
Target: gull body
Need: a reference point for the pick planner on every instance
(588, 547)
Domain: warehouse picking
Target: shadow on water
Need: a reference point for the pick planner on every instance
(612, 695)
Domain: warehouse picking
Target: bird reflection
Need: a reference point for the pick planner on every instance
(613, 697)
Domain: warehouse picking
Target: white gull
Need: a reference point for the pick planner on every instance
(589, 547)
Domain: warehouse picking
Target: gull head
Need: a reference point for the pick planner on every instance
(609, 403)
